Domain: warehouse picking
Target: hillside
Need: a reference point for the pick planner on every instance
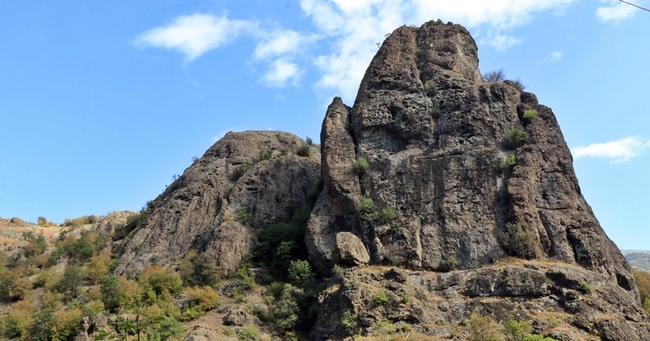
(639, 260)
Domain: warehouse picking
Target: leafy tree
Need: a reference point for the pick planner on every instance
(112, 291)
(70, 282)
(300, 272)
(160, 281)
(287, 309)
(97, 268)
(41, 328)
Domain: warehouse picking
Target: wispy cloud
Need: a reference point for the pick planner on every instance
(357, 26)
(194, 35)
(279, 49)
(501, 41)
(618, 151)
(553, 58)
(615, 11)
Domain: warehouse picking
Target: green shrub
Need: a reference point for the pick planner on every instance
(381, 298)
(387, 215)
(435, 113)
(304, 151)
(349, 321)
(265, 155)
(517, 330)
(367, 204)
(384, 329)
(508, 163)
(515, 137)
(359, 166)
(132, 222)
(81, 221)
(248, 333)
(309, 141)
(519, 242)
(483, 329)
(240, 171)
(529, 114)
(586, 288)
(204, 297)
(244, 217)
(300, 272)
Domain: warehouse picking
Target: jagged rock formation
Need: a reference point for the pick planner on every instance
(242, 183)
(458, 177)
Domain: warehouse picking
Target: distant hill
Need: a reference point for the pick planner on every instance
(639, 260)
(627, 252)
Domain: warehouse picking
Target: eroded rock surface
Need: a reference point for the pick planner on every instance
(460, 174)
(434, 136)
(241, 184)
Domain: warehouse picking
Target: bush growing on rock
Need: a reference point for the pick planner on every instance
(483, 329)
(304, 151)
(359, 166)
(529, 114)
(515, 137)
(494, 76)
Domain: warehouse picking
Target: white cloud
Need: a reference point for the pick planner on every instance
(556, 56)
(619, 151)
(282, 43)
(357, 25)
(615, 11)
(194, 35)
(501, 42)
(283, 71)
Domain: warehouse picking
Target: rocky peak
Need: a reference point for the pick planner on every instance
(242, 183)
(457, 177)
(445, 176)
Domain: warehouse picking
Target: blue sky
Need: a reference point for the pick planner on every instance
(102, 103)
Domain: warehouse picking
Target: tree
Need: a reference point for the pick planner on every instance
(111, 291)
(70, 282)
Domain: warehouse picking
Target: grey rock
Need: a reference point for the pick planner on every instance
(220, 203)
(351, 249)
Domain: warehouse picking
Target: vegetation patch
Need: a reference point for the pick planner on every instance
(515, 137)
(529, 114)
(360, 166)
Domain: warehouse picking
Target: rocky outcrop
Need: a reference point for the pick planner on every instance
(242, 183)
(434, 136)
(434, 169)
(563, 301)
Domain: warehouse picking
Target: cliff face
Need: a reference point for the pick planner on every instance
(241, 184)
(434, 136)
(460, 174)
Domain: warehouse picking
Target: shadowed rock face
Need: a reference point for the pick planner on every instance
(434, 135)
(211, 210)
